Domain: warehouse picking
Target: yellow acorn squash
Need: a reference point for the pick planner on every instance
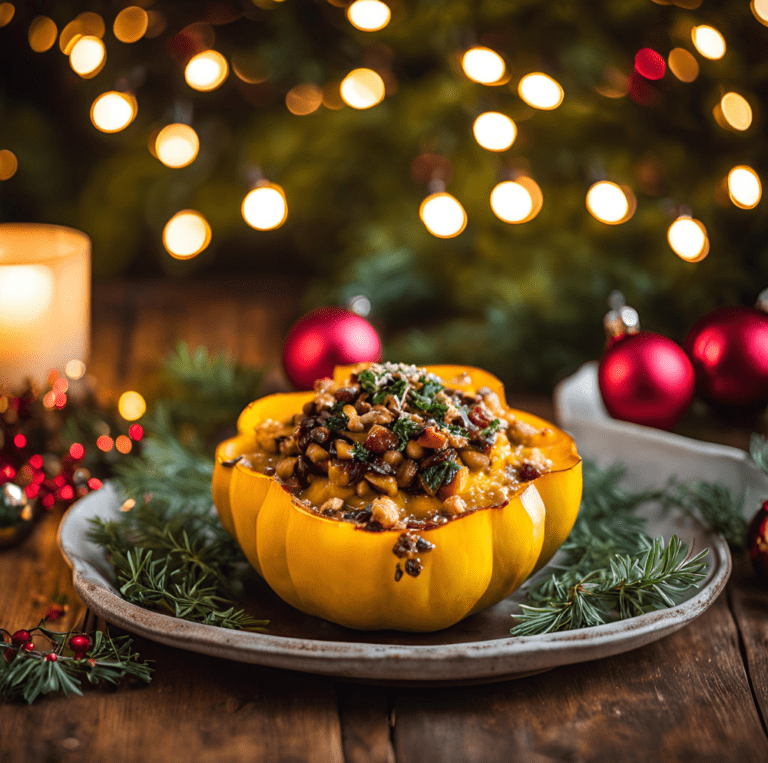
(345, 573)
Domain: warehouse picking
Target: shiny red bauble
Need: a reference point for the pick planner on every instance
(80, 643)
(757, 542)
(647, 379)
(729, 352)
(324, 338)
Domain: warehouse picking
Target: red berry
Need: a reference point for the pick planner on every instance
(80, 643)
(20, 637)
(28, 647)
(92, 663)
(51, 657)
(9, 654)
(79, 655)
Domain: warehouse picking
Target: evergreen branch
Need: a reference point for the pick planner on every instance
(714, 505)
(26, 675)
(758, 450)
(629, 585)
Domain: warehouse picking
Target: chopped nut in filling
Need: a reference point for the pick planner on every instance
(394, 448)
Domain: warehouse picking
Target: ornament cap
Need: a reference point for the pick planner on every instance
(620, 320)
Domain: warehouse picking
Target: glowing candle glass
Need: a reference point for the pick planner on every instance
(45, 276)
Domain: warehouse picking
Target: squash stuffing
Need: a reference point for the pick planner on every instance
(396, 497)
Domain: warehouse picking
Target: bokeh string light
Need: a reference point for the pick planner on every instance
(540, 91)
(42, 34)
(304, 99)
(7, 12)
(688, 239)
(88, 56)
(610, 203)
(369, 15)
(483, 65)
(760, 10)
(733, 112)
(265, 207)
(744, 187)
(494, 131)
(177, 145)
(206, 71)
(362, 89)
(131, 24)
(8, 164)
(649, 64)
(186, 234)
(683, 65)
(708, 41)
(443, 215)
(131, 405)
(113, 111)
(86, 24)
(517, 201)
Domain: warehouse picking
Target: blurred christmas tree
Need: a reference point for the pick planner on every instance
(663, 100)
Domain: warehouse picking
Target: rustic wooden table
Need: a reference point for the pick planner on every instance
(700, 694)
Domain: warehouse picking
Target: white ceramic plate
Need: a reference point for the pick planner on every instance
(476, 650)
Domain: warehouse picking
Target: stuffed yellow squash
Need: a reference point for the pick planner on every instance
(396, 497)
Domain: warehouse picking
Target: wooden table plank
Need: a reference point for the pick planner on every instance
(197, 708)
(748, 598)
(686, 697)
(683, 698)
(366, 724)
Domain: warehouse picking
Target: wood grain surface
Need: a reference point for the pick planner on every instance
(699, 695)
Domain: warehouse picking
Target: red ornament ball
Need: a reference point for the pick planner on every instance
(80, 643)
(324, 338)
(729, 352)
(757, 541)
(20, 637)
(647, 379)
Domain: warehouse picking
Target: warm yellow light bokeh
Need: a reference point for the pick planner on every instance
(540, 91)
(177, 145)
(483, 65)
(131, 24)
(265, 207)
(494, 131)
(7, 11)
(708, 41)
(131, 406)
(760, 10)
(610, 203)
(8, 164)
(736, 111)
(113, 111)
(362, 89)
(744, 187)
(42, 34)
(443, 215)
(517, 201)
(369, 15)
(86, 24)
(75, 369)
(688, 239)
(87, 56)
(304, 99)
(683, 65)
(206, 71)
(186, 234)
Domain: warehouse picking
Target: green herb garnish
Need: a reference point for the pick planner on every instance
(436, 476)
(405, 428)
(396, 389)
(361, 453)
(368, 382)
(338, 423)
(490, 429)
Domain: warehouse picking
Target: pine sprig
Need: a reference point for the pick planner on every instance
(610, 568)
(26, 675)
(169, 552)
(629, 585)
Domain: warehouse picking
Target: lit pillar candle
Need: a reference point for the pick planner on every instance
(45, 292)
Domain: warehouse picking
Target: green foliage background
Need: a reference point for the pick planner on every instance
(525, 301)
